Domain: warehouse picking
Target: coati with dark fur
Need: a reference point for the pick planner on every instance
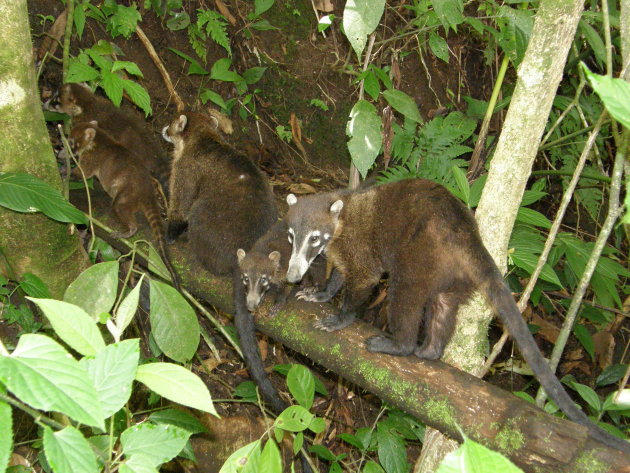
(428, 244)
(124, 179)
(264, 268)
(129, 130)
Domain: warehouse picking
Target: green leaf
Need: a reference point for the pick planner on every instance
(242, 458)
(298, 442)
(531, 196)
(371, 86)
(138, 95)
(583, 335)
(261, 6)
(253, 74)
(323, 452)
(79, 20)
(34, 286)
(79, 72)
(127, 309)
(614, 92)
(611, 375)
(528, 262)
(402, 103)
(449, 12)
(157, 443)
(215, 98)
(594, 41)
(174, 324)
(301, 384)
(198, 69)
(6, 439)
(392, 453)
(294, 419)
(220, 71)
(179, 419)
(176, 384)
(94, 290)
(317, 425)
(439, 46)
(26, 193)
(590, 396)
(215, 26)
(319, 386)
(72, 325)
(138, 463)
(112, 371)
(532, 217)
(270, 458)
(113, 86)
(360, 18)
(472, 457)
(364, 130)
(462, 183)
(247, 391)
(130, 67)
(124, 21)
(41, 373)
(67, 451)
(263, 25)
(178, 21)
(372, 467)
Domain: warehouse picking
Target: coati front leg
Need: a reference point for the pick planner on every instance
(356, 293)
(334, 283)
(404, 315)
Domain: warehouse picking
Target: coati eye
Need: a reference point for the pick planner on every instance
(264, 280)
(314, 240)
(290, 235)
(245, 279)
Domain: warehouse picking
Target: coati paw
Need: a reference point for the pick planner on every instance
(427, 353)
(381, 344)
(311, 294)
(334, 322)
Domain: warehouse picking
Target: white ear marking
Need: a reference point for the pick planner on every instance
(182, 121)
(291, 199)
(336, 207)
(240, 254)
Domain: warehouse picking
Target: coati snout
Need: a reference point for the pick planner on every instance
(258, 273)
(311, 231)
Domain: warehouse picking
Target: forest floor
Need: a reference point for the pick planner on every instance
(302, 65)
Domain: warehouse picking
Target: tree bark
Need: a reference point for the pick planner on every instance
(538, 77)
(29, 242)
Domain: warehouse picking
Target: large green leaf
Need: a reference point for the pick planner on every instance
(79, 72)
(360, 18)
(138, 463)
(241, 458)
(176, 384)
(528, 262)
(532, 217)
(43, 375)
(6, 439)
(174, 324)
(472, 457)
(94, 290)
(113, 86)
(449, 12)
(73, 325)
(179, 419)
(138, 95)
(364, 130)
(33, 286)
(112, 372)
(127, 309)
(157, 443)
(26, 193)
(614, 92)
(270, 458)
(67, 451)
(294, 419)
(392, 453)
(301, 383)
(403, 103)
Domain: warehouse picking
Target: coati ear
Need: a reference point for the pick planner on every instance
(240, 254)
(214, 123)
(274, 256)
(89, 134)
(291, 199)
(180, 123)
(336, 207)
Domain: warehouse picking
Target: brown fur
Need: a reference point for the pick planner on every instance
(125, 180)
(223, 198)
(428, 244)
(124, 126)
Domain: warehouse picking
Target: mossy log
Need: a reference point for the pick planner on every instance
(437, 394)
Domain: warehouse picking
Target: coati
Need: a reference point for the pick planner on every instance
(129, 130)
(428, 244)
(125, 180)
(264, 268)
(226, 203)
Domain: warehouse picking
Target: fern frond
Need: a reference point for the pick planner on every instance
(215, 26)
(196, 39)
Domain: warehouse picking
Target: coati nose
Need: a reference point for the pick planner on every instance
(293, 274)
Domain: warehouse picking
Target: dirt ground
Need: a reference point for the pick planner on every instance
(302, 65)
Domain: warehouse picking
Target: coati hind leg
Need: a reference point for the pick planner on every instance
(125, 210)
(404, 315)
(355, 294)
(439, 322)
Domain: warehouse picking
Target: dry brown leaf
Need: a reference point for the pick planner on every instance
(388, 134)
(302, 188)
(574, 355)
(211, 363)
(324, 5)
(604, 348)
(547, 330)
(51, 42)
(264, 348)
(17, 460)
(295, 128)
(573, 365)
(225, 11)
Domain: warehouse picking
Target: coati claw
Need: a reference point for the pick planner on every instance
(307, 294)
(335, 322)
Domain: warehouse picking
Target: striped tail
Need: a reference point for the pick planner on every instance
(152, 214)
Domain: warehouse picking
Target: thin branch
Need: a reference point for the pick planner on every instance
(35, 414)
(67, 37)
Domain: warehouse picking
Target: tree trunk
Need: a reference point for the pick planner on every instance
(29, 242)
(538, 77)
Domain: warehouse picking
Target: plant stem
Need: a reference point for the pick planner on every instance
(67, 36)
(614, 211)
(35, 414)
(475, 160)
(560, 172)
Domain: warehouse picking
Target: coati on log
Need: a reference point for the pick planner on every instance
(428, 244)
(124, 179)
(129, 130)
(226, 203)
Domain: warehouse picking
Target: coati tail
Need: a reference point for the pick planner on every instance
(152, 215)
(246, 329)
(500, 297)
